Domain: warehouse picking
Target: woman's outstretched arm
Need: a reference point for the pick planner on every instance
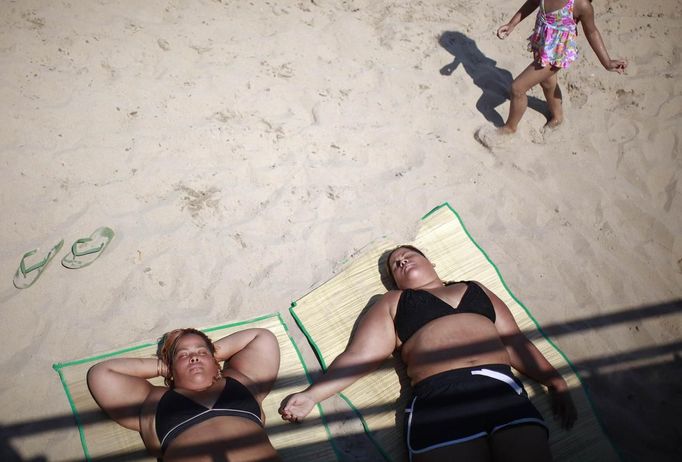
(527, 359)
(373, 342)
(120, 387)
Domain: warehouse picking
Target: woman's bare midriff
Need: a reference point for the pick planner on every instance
(222, 438)
(452, 342)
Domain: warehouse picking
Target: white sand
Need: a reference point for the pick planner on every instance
(242, 150)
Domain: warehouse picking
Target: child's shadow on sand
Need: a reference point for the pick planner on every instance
(493, 81)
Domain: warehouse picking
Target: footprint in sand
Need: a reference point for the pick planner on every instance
(551, 134)
(621, 130)
(628, 99)
(576, 94)
(670, 193)
(671, 108)
(163, 44)
(539, 136)
(490, 137)
(32, 18)
(197, 201)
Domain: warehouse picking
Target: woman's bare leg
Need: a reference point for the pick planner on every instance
(472, 451)
(527, 443)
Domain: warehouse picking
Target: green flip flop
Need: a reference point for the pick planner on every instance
(88, 249)
(27, 276)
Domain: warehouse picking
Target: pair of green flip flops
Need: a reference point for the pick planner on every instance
(83, 252)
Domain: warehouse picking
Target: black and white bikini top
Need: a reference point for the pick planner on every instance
(176, 413)
(419, 307)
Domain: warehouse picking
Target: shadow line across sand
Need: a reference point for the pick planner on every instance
(604, 375)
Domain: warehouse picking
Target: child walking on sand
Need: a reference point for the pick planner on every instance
(553, 44)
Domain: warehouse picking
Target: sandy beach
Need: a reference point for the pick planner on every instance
(243, 150)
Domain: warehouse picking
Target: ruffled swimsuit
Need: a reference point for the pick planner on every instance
(553, 39)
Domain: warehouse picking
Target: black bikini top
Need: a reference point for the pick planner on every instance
(176, 413)
(419, 307)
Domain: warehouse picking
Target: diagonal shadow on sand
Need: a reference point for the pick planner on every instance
(630, 375)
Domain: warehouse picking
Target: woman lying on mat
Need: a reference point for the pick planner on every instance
(203, 412)
(466, 404)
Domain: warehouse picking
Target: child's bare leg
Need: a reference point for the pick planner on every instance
(550, 87)
(526, 80)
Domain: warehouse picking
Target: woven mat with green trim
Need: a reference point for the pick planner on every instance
(104, 439)
(327, 316)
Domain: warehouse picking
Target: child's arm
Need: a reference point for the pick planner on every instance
(585, 14)
(520, 15)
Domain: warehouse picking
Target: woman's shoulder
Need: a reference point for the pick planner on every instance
(391, 297)
(148, 417)
(155, 395)
(463, 283)
(382, 304)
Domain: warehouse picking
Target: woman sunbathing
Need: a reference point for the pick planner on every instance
(458, 342)
(203, 413)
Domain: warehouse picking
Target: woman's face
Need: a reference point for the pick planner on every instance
(410, 269)
(193, 362)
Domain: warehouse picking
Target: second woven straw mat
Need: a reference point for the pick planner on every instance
(328, 314)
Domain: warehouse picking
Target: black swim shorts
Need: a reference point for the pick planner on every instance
(464, 404)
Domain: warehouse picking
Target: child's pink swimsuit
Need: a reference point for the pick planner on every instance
(553, 40)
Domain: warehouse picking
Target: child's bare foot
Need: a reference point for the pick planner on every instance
(553, 125)
(492, 137)
(554, 122)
